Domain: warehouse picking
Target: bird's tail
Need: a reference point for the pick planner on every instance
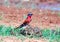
(19, 27)
(22, 25)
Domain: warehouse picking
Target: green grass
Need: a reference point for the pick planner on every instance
(1, 17)
(5, 31)
(46, 33)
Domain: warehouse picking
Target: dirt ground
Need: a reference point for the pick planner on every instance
(14, 39)
(40, 18)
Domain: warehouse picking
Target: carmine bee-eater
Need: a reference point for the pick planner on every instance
(27, 21)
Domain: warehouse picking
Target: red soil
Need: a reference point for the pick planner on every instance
(15, 39)
(40, 18)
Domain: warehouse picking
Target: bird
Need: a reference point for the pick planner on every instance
(21, 29)
(27, 21)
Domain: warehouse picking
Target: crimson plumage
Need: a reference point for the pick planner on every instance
(27, 20)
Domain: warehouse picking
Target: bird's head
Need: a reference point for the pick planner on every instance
(30, 14)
